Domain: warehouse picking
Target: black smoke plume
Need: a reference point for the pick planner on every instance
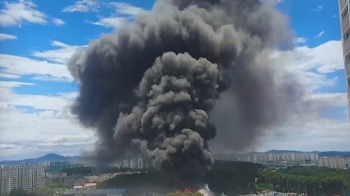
(150, 86)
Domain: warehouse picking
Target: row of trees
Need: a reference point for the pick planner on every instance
(18, 192)
(313, 180)
(47, 190)
(88, 170)
(21, 192)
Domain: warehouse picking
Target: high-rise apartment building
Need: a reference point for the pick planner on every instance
(9, 179)
(338, 163)
(25, 177)
(345, 30)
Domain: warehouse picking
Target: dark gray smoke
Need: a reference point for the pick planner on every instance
(149, 87)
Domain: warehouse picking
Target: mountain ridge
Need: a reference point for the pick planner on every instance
(57, 157)
(47, 157)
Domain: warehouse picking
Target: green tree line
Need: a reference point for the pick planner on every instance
(47, 190)
(313, 180)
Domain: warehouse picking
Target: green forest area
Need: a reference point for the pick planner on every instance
(235, 178)
(313, 180)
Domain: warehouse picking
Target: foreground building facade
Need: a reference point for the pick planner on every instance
(345, 30)
(25, 177)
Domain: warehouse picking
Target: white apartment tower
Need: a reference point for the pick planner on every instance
(345, 30)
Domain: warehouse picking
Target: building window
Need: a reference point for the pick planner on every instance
(345, 13)
(346, 35)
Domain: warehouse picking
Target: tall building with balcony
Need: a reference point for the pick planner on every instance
(25, 177)
(345, 30)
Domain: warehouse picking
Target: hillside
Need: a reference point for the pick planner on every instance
(48, 157)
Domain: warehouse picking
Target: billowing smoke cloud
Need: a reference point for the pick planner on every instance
(150, 87)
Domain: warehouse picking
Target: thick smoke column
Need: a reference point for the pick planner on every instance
(149, 87)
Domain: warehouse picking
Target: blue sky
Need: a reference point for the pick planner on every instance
(38, 37)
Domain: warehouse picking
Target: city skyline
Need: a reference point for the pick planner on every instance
(52, 156)
(37, 88)
(136, 162)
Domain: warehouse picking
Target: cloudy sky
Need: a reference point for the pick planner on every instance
(38, 37)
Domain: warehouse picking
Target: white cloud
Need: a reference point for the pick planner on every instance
(15, 13)
(19, 65)
(311, 65)
(122, 12)
(58, 22)
(6, 89)
(10, 76)
(272, 1)
(319, 8)
(51, 68)
(300, 40)
(110, 22)
(126, 9)
(12, 84)
(59, 55)
(320, 135)
(320, 34)
(4, 37)
(41, 102)
(331, 99)
(82, 6)
(40, 133)
(32, 129)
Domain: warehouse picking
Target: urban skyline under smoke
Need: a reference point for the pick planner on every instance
(37, 87)
(150, 87)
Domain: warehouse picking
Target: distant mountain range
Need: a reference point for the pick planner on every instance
(56, 157)
(48, 157)
(281, 151)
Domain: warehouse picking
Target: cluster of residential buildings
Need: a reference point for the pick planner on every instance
(28, 178)
(137, 163)
(269, 157)
(336, 162)
(128, 162)
(303, 159)
(32, 177)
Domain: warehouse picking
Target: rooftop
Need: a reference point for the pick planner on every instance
(96, 191)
